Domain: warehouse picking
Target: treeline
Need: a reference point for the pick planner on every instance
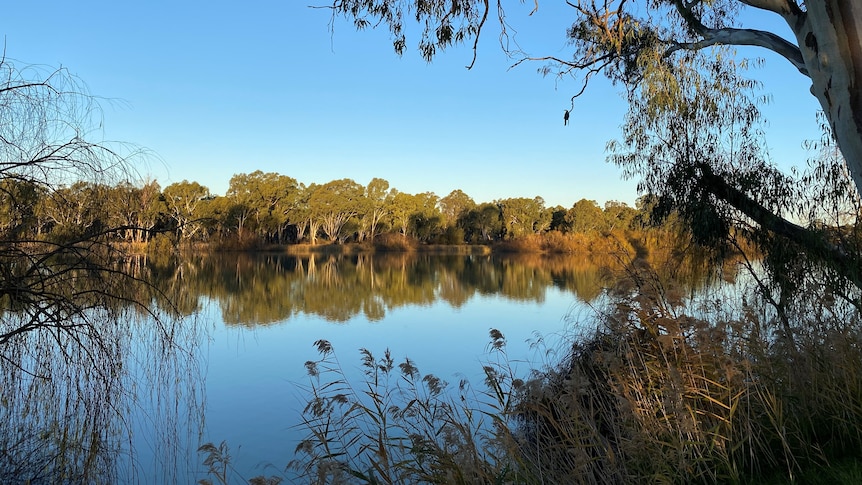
(270, 208)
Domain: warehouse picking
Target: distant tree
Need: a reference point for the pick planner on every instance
(19, 205)
(585, 216)
(307, 224)
(413, 214)
(373, 209)
(558, 219)
(268, 198)
(78, 209)
(482, 224)
(182, 200)
(455, 204)
(618, 215)
(333, 204)
(426, 223)
(151, 206)
(522, 216)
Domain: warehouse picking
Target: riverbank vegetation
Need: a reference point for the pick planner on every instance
(266, 210)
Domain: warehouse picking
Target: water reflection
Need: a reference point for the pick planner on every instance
(261, 289)
(119, 403)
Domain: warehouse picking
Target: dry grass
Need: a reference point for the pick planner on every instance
(398, 426)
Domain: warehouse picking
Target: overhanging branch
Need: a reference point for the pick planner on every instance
(846, 264)
(756, 38)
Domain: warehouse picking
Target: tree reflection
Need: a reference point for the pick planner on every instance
(262, 289)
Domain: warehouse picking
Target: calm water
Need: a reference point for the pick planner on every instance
(249, 323)
(263, 313)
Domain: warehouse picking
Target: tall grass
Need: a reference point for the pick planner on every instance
(657, 387)
(399, 426)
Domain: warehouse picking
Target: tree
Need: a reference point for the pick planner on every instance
(19, 204)
(618, 215)
(267, 197)
(482, 224)
(455, 204)
(414, 215)
(374, 207)
(659, 51)
(182, 200)
(523, 216)
(65, 297)
(135, 208)
(585, 216)
(333, 204)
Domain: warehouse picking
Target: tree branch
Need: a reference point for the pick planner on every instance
(752, 37)
(781, 7)
(848, 265)
(757, 38)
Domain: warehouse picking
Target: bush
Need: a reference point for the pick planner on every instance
(395, 242)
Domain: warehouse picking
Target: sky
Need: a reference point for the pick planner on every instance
(212, 89)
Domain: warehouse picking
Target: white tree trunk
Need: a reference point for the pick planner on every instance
(830, 38)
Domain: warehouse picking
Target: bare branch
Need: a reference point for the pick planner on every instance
(478, 32)
(781, 7)
(757, 38)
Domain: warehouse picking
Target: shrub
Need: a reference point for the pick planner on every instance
(395, 242)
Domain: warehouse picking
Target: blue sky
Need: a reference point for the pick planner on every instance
(216, 88)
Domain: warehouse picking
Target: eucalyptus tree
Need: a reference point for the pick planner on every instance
(77, 209)
(151, 207)
(374, 207)
(19, 207)
(523, 216)
(333, 204)
(426, 223)
(302, 215)
(241, 197)
(414, 214)
(400, 206)
(183, 200)
(618, 215)
(455, 204)
(585, 216)
(267, 197)
(135, 208)
(482, 224)
(558, 219)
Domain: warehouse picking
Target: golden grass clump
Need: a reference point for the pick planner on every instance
(394, 242)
